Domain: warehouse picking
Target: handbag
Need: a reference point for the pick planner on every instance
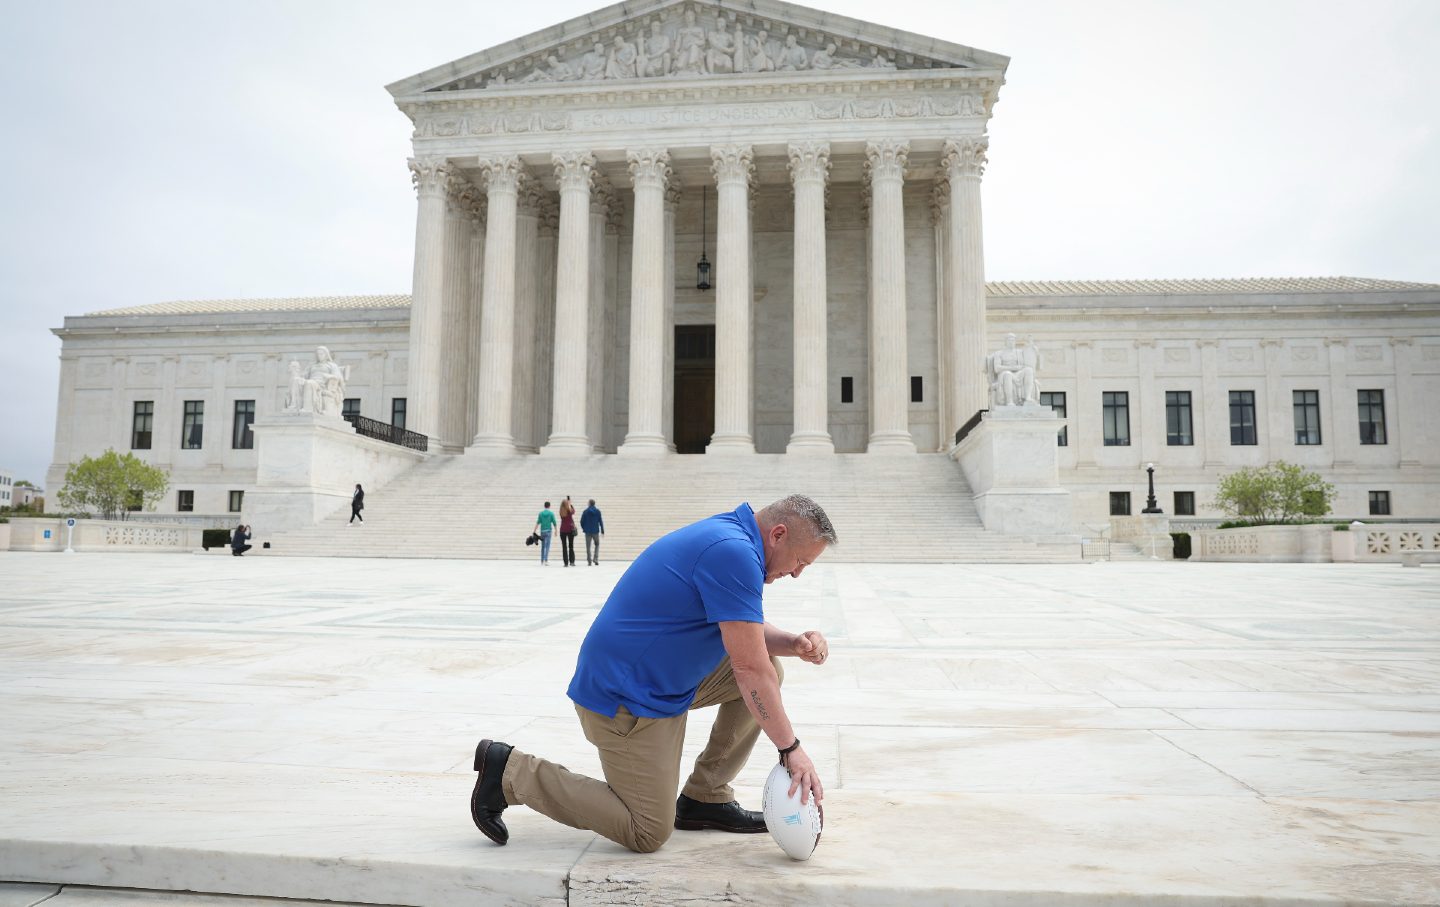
(532, 538)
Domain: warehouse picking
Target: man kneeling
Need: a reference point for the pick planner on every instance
(683, 629)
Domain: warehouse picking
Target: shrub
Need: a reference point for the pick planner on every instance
(1277, 493)
(1182, 544)
(112, 484)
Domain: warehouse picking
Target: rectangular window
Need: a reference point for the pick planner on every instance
(1379, 503)
(917, 389)
(237, 501)
(847, 389)
(1307, 417)
(1117, 419)
(1056, 401)
(242, 437)
(185, 501)
(142, 424)
(397, 412)
(350, 408)
(1184, 503)
(192, 430)
(1372, 417)
(1179, 429)
(1119, 503)
(1242, 417)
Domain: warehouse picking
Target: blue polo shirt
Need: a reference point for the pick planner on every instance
(656, 637)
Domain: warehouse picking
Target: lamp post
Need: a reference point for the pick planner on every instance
(1150, 504)
(702, 267)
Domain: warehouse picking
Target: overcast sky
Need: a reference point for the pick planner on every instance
(184, 149)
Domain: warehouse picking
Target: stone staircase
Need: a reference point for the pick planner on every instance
(885, 509)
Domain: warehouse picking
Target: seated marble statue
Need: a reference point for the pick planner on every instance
(320, 388)
(1011, 373)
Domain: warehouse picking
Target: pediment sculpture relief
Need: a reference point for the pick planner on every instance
(688, 46)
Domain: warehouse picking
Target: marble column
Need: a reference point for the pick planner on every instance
(587, 374)
(475, 304)
(431, 177)
(672, 204)
(890, 380)
(544, 348)
(733, 167)
(809, 172)
(650, 170)
(963, 161)
(503, 179)
(527, 291)
(944, 343)
(455, 316)
(574, 171)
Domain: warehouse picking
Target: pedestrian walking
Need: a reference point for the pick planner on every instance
(567, 532)
(357, 504)
(545, 525)
(593, 525)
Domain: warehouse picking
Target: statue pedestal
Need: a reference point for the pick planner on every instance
(1011, 463)
(308, 466)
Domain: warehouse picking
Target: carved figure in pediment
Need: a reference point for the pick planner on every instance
(757, 53)
(690, 47)
(554, 71)
(592, 65)
(622, 62)
(825, 59)
(880, 61)
(655, 53)
(793, 57)
(720, 58)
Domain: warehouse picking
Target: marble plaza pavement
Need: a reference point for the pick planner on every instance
(1139, 733)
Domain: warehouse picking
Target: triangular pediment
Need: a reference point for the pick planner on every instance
(656, 40)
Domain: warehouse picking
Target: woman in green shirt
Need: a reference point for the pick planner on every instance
(545, 525)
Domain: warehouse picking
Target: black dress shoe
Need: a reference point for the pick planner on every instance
(488, 800)
(692, 815)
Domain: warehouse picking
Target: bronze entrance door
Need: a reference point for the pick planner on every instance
(694, 387)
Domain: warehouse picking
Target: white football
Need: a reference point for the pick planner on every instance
(795, 826)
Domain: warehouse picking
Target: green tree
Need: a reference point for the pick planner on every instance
(112, 484)
(1276, 493)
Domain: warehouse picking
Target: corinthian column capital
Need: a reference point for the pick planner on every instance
(732, 163)
(502, 174)
(964, 157)
(809, 161)
(673, 191)
(430, 175)
(602, 194)
(886, 159)
(649, 167)
(573, 169)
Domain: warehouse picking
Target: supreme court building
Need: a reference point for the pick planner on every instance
(675, 227)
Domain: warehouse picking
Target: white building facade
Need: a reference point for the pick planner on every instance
(829, 172)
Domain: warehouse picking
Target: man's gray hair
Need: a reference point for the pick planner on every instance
(797, 510)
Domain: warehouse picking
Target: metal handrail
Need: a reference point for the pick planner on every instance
(382, 431)
(969, 426)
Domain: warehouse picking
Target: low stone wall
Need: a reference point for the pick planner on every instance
(103, 535)
(1384, 542)
(1149, 532)
(1378, 543)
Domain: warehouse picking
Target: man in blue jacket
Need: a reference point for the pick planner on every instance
(683, 629)
(593, 525)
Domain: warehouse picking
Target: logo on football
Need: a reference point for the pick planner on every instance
(795, 826)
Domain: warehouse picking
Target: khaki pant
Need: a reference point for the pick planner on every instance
(635, 805)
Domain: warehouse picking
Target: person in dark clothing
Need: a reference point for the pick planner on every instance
(238, 540)
(593, 525)
(357, 504)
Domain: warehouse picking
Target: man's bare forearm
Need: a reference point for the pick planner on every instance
(778, 642)
(761, 691)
